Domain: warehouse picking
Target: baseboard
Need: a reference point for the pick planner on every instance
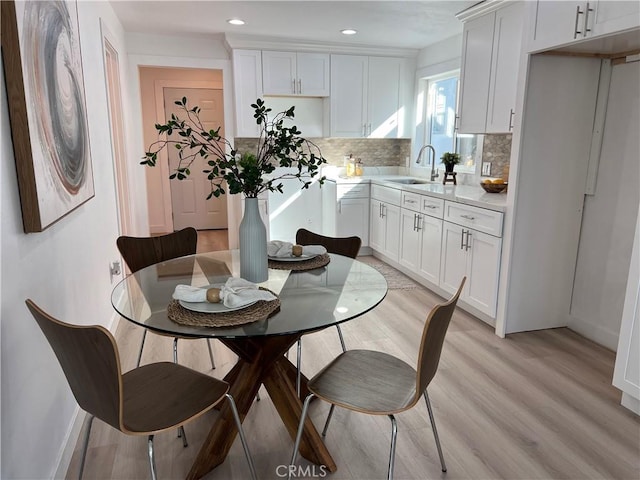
(595, 333)
(631, 403)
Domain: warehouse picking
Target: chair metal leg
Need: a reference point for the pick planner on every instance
(326, 423)
(258, 397)
(144, 335)
(435, 431)
(243, 439)
(213, 363)
(152, 459)
(181, 433)
(344, 348)
(175, 350)
(296, 445)
(85, 444)
(392, 453)
(298, 365)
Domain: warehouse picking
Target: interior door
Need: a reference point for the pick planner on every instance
(189, 196)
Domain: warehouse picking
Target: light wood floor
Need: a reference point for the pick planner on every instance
(536, 405)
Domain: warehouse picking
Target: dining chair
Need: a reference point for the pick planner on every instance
(144, 401)
(377, 383)
(346, 246)
(140, 252)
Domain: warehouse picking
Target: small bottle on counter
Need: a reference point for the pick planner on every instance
(351, 166)
(359, 168)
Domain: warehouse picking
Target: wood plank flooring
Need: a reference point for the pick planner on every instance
(537, 405)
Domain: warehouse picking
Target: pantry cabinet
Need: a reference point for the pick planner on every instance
(247, 76)
(489, 73)
(557, 24)
(295, 73)
(365, 96)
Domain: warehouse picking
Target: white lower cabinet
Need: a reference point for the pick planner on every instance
(384, 228)
(420, 244)
(353, 219)
(476, 255)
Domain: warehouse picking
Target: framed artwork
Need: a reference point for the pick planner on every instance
(47, 109)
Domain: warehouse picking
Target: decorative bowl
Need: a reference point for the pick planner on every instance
(493, 187)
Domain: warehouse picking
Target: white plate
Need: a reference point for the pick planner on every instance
(206, 307)
(293, 259)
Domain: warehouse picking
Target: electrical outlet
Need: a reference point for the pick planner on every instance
(486, 169)
(115, 269)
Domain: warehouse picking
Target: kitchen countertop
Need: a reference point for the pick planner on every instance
(466, 194)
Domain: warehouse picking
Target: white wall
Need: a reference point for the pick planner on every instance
(63, 269)
(193, 46)
(608, 221)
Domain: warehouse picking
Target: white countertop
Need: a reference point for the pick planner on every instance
(466, 194)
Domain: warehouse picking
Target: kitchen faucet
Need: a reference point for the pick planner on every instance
(434, 173)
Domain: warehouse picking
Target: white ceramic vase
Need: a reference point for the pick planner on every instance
(253, 244)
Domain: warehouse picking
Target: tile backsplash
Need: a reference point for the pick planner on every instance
(497, 150)
(386, 152)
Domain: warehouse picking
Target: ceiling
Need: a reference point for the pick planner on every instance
(396, 24)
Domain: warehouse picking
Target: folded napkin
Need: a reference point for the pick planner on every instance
(236, 292)
(278, 248)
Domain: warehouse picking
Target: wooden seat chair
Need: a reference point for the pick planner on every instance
(140, 252)
(346, 246)
(144, 401)
(377, 383)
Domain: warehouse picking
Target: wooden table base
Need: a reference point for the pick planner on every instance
(261, 360)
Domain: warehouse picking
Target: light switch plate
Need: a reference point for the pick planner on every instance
(486, 169)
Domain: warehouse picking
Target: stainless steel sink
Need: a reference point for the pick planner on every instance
(409, 181)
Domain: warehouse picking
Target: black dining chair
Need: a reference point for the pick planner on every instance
(346, 246)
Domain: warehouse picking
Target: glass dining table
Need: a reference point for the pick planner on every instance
(310, 300)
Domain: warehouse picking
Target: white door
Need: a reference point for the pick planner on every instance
(557, 23)
(483, 271)
(430, 248)
(189, 196)
(353, 219)
(376, 226)
(454, 258)
(348, 95)
(391, 231)
(409, 239)
(279, 73)
(313, 74)
(383, 102)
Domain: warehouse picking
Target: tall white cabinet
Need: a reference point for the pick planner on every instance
(247, 73)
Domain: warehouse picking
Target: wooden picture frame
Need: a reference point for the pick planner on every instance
(47, 109)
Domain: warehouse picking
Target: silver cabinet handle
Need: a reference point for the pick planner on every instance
(383, 208)
(364, 129)
(414, 222)
(575, 28)
(511, 115)
(455, 122)
(406, 200)
(468, 245)
(430, 206)
(468, 217)
(380, 211)
(294, 85)
(462, 240)
(299, 85)
(369, 129)
(418, 226)
(586, 28)
(340, 206)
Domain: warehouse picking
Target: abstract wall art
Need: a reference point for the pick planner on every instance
(47, 109)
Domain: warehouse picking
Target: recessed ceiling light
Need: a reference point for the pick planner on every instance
(348, 31)
(235, 21)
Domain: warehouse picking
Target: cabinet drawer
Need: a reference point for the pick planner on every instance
(353, 190)
(411, 201)
(386, 194)
(431, 206)
(480, 219)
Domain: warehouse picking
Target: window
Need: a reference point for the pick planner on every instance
(441, 95)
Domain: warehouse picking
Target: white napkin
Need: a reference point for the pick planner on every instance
(279, 249)
(236, 292)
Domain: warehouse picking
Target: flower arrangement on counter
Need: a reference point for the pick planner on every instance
(240, 172)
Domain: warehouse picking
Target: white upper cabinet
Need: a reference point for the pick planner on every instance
(247, 78)
(366, 96)
(559, 23)
(489, 75)
(291, 73)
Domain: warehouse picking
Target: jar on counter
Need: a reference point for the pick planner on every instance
(358, 168)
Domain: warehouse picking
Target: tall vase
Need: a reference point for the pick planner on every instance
(253, 244)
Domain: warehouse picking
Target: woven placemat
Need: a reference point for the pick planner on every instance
(311, 264)
(260, 310)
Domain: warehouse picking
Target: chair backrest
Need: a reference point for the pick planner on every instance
(347, 246)
(140, 252)
(433, 339)
(89, 358)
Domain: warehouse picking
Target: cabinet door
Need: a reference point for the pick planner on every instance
(453, 264)
(557, 23)
(383, 101)
(391, 231)
(313, 74)
(507, 39)
(477, 42)
(430, 248)
(614, 16)
(483, 271)
(353, 219)
(279, 73)
(376, 226)
(247, 78)
(409, 254)
(348, 95)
